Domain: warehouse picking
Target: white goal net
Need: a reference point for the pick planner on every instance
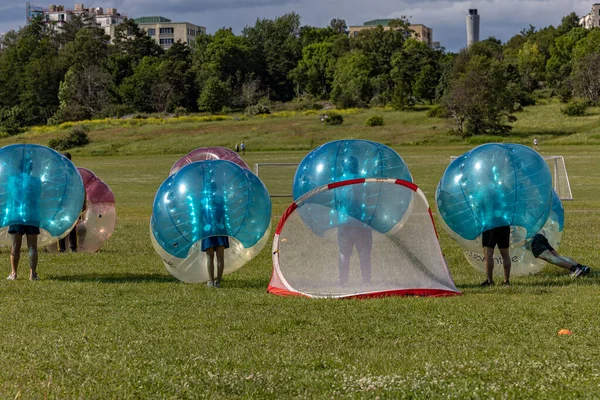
(277, 177)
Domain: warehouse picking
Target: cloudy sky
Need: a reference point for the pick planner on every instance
(500, 18)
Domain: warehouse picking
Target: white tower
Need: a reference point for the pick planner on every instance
(472, 27)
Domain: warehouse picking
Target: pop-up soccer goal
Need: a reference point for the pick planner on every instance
(384, 245)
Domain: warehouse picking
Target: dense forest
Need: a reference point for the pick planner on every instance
(49, 76)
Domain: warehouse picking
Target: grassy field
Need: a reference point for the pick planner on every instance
(116, 325)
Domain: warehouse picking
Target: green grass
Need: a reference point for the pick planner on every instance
(116, 325)
(287, 131)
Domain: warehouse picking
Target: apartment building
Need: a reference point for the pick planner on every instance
(58, 15)
(419, 31)
(591, 20)
(166, 33)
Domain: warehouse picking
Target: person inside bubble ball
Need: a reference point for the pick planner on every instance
(540, 248)
(212, 245)
(26, 187)
(499, 236)
(62, 243)
(352, 232)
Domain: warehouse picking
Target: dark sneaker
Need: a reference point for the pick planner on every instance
(487, 283)
(586, 270)
(506, 283)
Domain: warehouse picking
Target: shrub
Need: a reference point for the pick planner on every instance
(308, 105)
(378, 100)
(333, 119)
(374, 120)
(565, 91)
(180, 111)
(574, 108)
(437, 111)
(77, 137)
(256, 109)
(12, 120)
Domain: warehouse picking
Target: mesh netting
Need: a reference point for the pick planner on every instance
(338, 249)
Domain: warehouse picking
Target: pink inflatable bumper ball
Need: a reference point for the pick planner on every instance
(208, 153)
(99, 219)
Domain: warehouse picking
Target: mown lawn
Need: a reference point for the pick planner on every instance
(116, 325)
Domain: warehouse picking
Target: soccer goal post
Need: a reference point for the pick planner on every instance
(277, 177)
(560, 178)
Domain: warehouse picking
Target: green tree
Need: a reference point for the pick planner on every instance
(585, 77)
(559, 65)
(69, 29)
(30, 73)
(224, 56)
(130, 45)
(351, 82)
(137, 90)
(314, 73)
(83, 93)
(132, 40)
(407, 65)
(338, 25)
(477, 98)
(568, 22)
(215, 95)
(426, 83)
(88, 47)
(180, 77)
(531, 65)
(379, 45)
(277, 50)
(587, 45)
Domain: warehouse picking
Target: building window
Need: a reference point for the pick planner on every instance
(151, 31)
(166, 31)
(166, 42)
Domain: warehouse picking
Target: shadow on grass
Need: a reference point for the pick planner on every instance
(544, 132)
(255, 283)
(541, 284)
(114, 278)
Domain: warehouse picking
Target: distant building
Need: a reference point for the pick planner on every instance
(472, 27)
(58, 15)
(591, 20)
(166, 33)
(419, 31)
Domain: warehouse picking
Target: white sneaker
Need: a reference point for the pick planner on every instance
(12, 277)
(210, 284)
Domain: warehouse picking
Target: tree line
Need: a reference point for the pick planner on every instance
(48, 76)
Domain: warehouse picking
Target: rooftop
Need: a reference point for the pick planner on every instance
(151, 20)
(383, 22)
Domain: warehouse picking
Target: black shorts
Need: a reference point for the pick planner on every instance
(496, 236)
(23, 230)
(539, 244)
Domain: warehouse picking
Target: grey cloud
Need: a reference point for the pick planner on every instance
(189, 6)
